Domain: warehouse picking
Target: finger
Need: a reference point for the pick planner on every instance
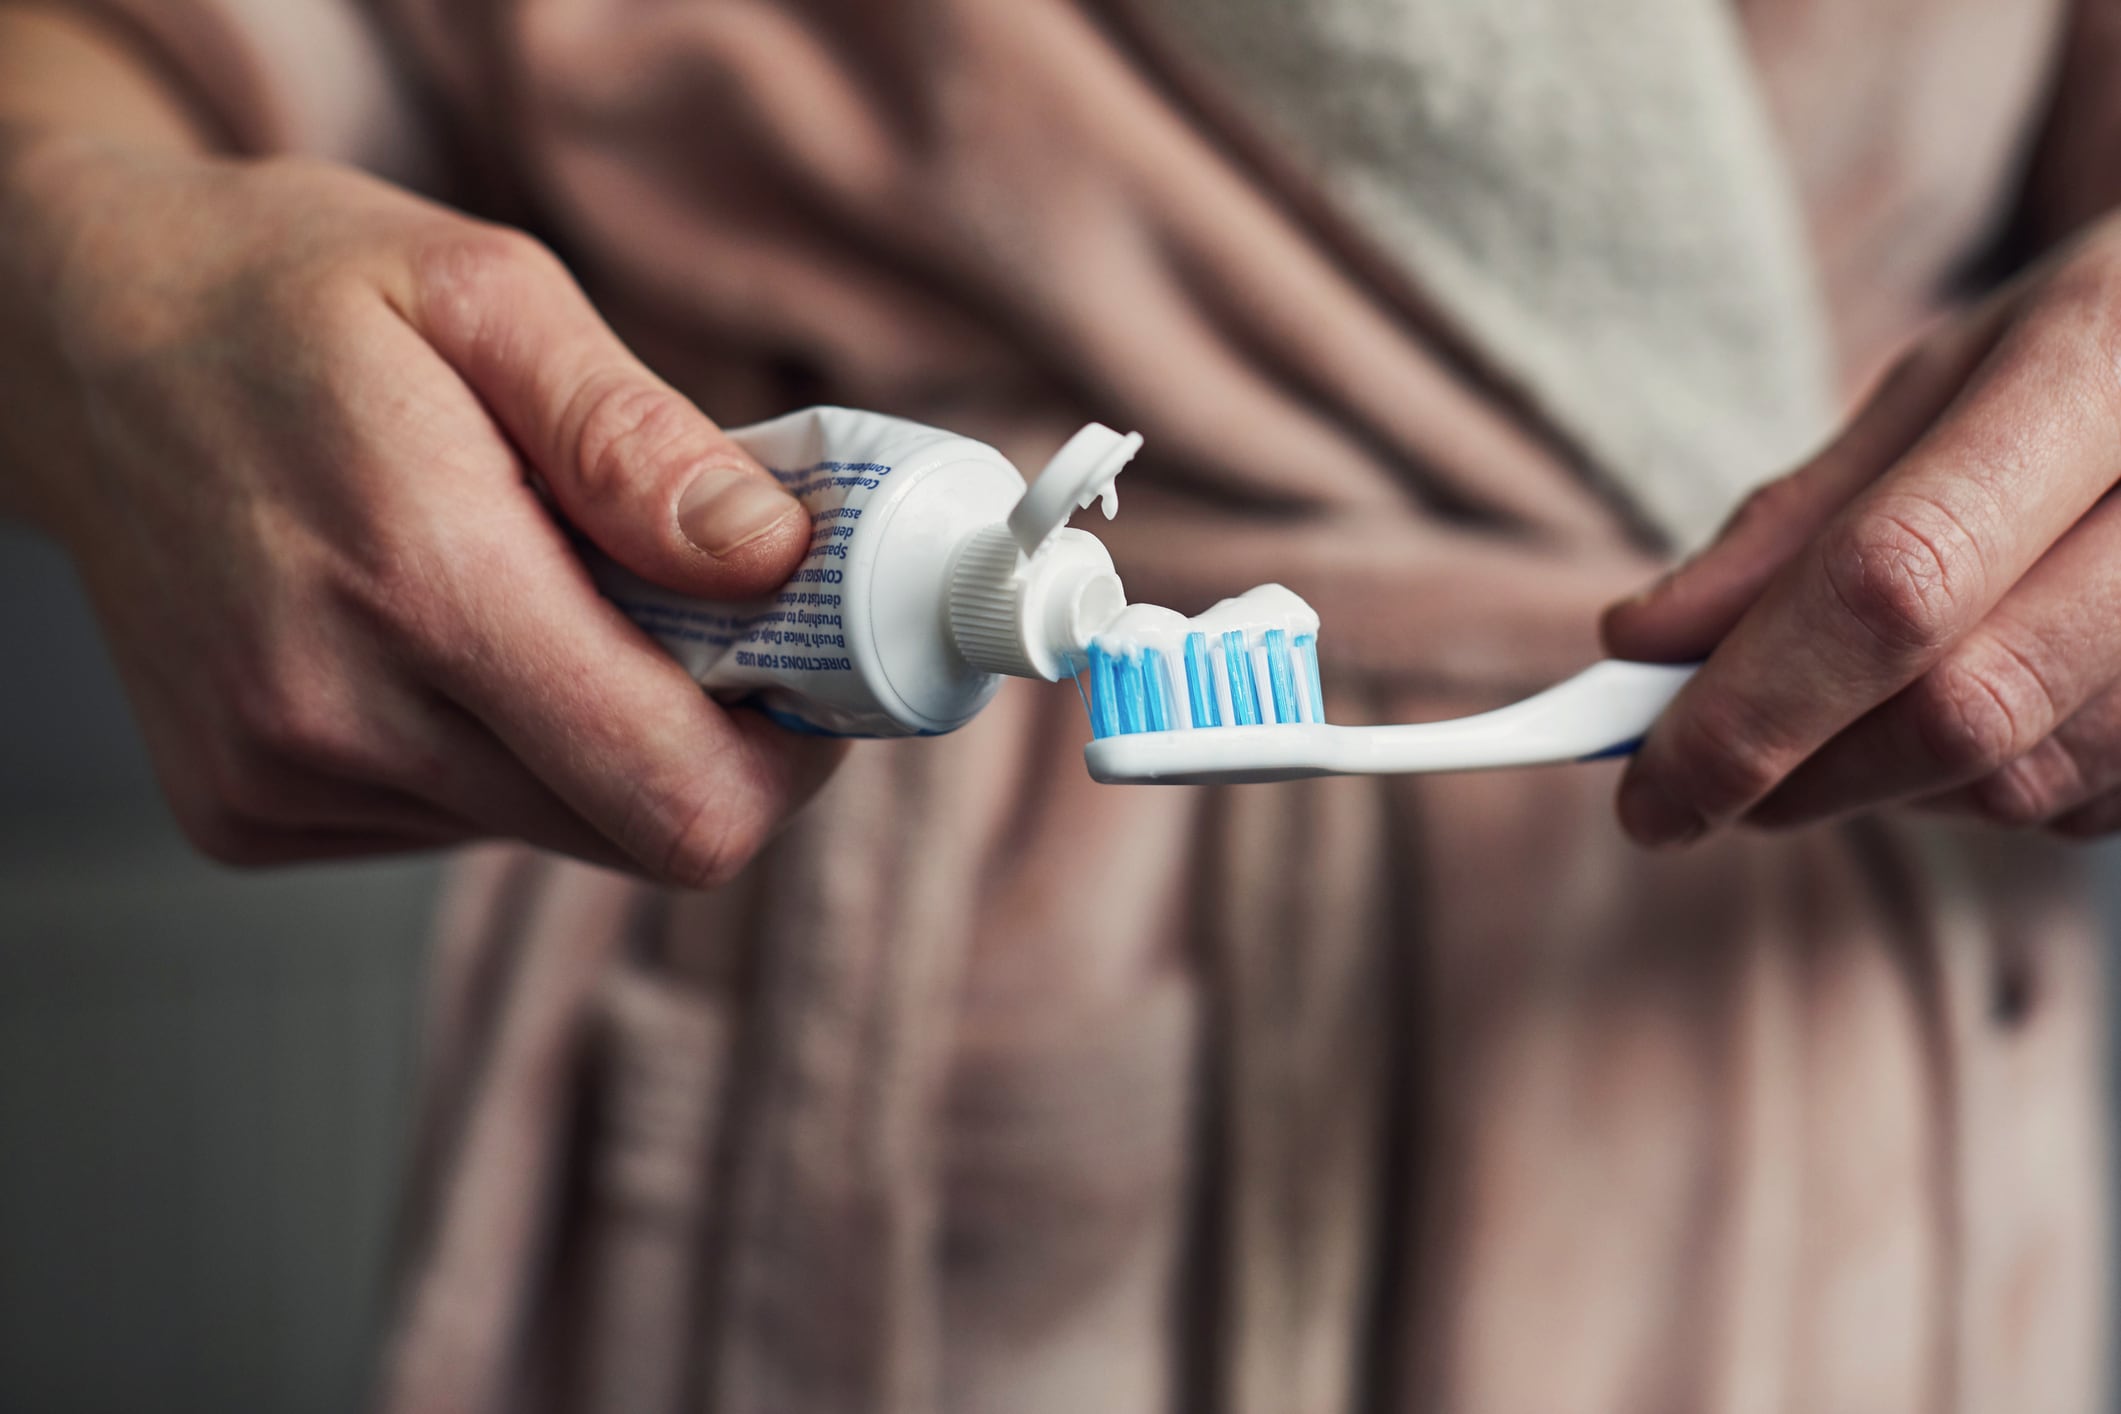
(264, 814)
(2051, 644)
(292, 798)
(1684, 614)
(274, 846)
(267, 846)
(1891, 584)
(512, 630)
(475, 779)
(605, 719)
(2079, 764)
(628, 460)
(410, 761)
(2090, 821)
(436, 776)
(361, 747)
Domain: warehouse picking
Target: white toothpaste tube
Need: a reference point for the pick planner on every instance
(932, 572)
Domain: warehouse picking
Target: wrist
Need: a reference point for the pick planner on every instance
(75, 98)
(46, 174)
(48, 178)
(77, 105)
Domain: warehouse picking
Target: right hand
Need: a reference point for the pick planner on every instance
(286, 422)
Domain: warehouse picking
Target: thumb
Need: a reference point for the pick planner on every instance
(1683, 615)
(628, 460)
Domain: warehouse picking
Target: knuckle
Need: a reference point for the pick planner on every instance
(296, 720)
(1730, 758)
(469, 272)
(244, 786)
(2089, 822)
(632, 432)
(1977, 713)
(1902, 573)
(220, 833)
(1960, 723)
(695, 844)
(2019, 794)
(2046, 782)
(411, 597)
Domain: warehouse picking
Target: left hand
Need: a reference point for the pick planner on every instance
(1928, 611)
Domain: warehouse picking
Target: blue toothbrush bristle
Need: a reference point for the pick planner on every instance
(1136, 692)
(1244, 697)
(1104, 694)
(1200, 682)
(1131, 716)
(1307, 650)
(1280, 676)
(1156, 691)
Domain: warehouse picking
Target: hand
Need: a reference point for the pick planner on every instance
(1930, 610)
(287, 427)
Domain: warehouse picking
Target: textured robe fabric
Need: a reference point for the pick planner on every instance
(987, 1087)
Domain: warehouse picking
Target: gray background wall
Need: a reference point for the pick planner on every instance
(202, 1074)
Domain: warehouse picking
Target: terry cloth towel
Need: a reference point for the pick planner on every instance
(1590, 190)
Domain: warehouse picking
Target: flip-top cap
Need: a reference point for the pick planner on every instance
(1027, 594)
(1082, 471)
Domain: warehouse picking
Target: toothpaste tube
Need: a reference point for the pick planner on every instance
(932, 572)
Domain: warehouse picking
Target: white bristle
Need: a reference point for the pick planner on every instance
(1181, 700)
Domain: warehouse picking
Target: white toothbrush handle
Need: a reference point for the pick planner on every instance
(1605, 710)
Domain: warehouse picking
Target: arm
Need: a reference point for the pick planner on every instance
(62, 74)
(284, 419)
(61, 83)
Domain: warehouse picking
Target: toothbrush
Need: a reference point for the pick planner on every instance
(1234, 696)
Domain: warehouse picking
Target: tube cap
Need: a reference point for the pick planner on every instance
(1082, 471)
(1027, 594)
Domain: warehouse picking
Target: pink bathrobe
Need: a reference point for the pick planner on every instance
(989, 1088)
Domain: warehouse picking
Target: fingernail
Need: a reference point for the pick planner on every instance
(1652, 818)
(1658, 585)
(1645, 594)
(725, 509)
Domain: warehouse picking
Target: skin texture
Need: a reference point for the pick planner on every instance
(1927, 612)
(309, 442)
